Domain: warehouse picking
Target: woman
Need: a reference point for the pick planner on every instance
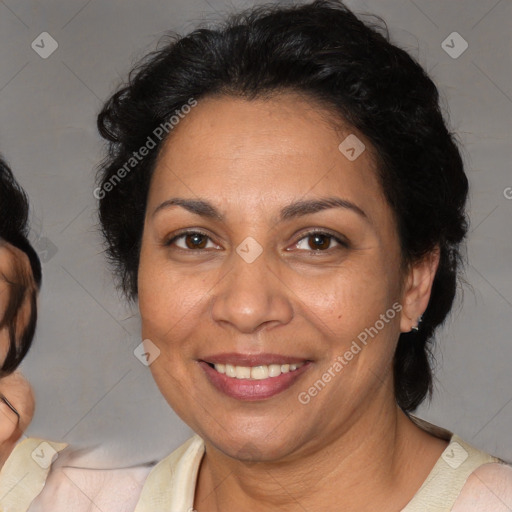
(284, 199)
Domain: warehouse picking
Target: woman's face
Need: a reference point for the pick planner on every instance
(258, 287)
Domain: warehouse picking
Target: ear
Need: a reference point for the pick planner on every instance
(417, 289)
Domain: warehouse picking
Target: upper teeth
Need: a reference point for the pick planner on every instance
(256, 372)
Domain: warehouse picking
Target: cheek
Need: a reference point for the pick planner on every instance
(169, 298)
(167, 304)
(349, 299)
(8, 422)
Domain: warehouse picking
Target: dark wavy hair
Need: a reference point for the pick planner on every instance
(14, 210)
(324, 52)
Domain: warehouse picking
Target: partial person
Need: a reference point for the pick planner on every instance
(20, 274)
(20, 281)
(26, 462)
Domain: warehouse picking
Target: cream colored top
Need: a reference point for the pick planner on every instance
(169, 486)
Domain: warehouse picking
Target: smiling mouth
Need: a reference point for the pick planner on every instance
(255, 382)
(259, 372)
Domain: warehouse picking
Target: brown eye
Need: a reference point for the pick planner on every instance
(319, 242)
(190, 240)
(195, 241)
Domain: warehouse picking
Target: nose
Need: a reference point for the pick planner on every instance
(251, 295)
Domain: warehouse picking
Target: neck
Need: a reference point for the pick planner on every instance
(374, 460)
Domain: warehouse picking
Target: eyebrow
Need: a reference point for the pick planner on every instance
(296, 209)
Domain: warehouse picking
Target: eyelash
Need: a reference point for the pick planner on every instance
(343, 243)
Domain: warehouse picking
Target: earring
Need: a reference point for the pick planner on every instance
(416, 328)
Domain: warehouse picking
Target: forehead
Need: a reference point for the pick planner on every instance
(276, 149)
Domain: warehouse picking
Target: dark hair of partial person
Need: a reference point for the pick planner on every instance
(349, 66)
(14, 211)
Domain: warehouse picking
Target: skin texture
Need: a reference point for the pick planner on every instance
(19, 393)
(488, 489)
(351, 442)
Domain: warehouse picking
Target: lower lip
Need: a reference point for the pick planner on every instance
(252, 389)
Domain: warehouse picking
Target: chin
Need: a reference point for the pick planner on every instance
(254, 446)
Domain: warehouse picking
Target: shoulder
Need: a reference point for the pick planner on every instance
(488, 488)
(82, 490)
(173, 478)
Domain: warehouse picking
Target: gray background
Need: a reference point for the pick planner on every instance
(89, 385)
